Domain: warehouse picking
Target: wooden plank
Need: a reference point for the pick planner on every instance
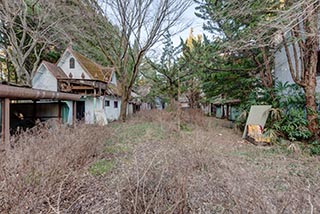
(81, 87)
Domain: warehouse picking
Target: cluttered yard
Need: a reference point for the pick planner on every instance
(152, 165)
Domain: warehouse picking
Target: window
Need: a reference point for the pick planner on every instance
(107, 103)
(115, 104)
(71, 63)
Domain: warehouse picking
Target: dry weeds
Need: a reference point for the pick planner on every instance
(201, 167)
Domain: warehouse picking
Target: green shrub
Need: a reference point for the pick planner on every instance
(288, 114)
(294, 125)
(314, 148)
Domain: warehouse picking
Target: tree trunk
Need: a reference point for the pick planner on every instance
(124, 104)
(310, 93)
(311, 108)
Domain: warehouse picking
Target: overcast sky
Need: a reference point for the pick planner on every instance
(196, 25)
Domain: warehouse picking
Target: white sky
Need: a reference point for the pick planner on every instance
(196, 24)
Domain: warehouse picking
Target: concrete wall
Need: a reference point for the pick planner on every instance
(76, 71)
(44, 79)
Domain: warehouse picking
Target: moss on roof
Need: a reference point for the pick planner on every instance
(55, 70)
(95, 70)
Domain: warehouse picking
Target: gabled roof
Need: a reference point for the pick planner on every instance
(114, 90)
(55, 70)
(94, 70)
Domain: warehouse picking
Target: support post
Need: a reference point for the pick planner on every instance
(6, 121)
(59, 111)
(34, 111)
(74, 113)
(2, 120)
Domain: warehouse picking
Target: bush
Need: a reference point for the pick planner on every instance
(294, 125)
(314, 148)
(287, 116)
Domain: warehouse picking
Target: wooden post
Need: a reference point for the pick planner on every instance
(2, 120)
(59, 111)
(34, 110)
(228, 108)
(6, 121)
(74, 113)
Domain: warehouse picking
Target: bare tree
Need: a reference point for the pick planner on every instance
(125, 30)
(29, 27)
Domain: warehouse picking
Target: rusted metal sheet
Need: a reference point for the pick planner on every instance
(12, 92)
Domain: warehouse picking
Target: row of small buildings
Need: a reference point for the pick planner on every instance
(73, 89)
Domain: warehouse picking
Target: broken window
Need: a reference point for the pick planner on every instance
(115, 104)
(107, 103)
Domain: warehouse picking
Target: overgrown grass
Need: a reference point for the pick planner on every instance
(101, 167)
(151, 165)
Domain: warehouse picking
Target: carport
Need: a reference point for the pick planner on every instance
(8, 92)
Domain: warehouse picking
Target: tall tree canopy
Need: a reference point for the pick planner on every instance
(126, 30)
(27, 28)
(266, 26)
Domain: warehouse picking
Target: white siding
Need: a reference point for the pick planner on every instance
(76, 71)
(114, 78)
(92, 106)
(112, 112)
(44, 80)
(129, 109)
(145, 106)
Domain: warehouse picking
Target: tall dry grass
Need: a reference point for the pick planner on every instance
(200, 167)
(40, 170)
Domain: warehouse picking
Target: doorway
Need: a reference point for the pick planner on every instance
(80, 110)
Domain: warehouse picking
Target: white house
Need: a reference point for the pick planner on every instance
(75, 73)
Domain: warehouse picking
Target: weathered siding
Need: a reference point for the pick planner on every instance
(112, 112)
(130, 109)
(76, 71)
(92, 105)
(44, 80)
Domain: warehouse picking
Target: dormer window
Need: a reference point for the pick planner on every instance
(71, 63)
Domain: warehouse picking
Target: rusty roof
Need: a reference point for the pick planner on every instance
(55, 70)
(95, 70)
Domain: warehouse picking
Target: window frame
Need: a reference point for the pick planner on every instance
(72, 63)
